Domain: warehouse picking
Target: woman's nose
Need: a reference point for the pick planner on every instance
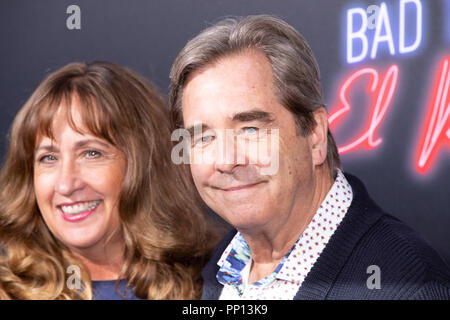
(68, 178)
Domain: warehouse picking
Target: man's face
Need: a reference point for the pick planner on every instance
(236, 95)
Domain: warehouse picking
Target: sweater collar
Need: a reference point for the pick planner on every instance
(359, 218)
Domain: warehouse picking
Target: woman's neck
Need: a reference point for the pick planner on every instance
(104, 261)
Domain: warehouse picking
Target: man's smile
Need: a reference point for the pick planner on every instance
(241, 187)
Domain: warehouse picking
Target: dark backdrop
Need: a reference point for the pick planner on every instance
(147, 35)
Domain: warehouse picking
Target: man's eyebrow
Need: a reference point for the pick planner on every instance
(253, 115)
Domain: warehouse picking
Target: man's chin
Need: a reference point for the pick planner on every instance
(244, 221)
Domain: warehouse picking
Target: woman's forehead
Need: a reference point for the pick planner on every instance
(67, 120)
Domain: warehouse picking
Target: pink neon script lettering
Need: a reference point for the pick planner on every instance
(436, 132)
(382, 92)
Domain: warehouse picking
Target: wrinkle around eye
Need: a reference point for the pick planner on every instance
(44, 159)
(202, 141)
(88, 154)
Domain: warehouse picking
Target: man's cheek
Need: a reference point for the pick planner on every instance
(199, 173)
(202, 156)
(269, 153)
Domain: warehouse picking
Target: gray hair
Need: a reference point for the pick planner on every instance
(295, 70)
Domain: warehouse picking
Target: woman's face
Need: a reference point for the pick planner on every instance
(77, 180)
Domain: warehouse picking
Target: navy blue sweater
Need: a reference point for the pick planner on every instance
(409, 267)
(105, 290)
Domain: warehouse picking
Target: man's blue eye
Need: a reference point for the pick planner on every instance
(206, 138)
(202, 140)
(251, 130)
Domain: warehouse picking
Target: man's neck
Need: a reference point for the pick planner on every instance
(269, 246)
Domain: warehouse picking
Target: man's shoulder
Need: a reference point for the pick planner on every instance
(371, 244)
(392, 241)
(406, 266)
(389, 238)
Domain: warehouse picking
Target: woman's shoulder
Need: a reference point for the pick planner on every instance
(105, 290)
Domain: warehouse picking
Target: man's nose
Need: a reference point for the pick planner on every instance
(226, 153)
(68, 179)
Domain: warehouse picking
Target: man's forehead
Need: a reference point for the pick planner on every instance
(224, 94)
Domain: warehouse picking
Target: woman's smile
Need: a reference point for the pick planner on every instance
(78, 211)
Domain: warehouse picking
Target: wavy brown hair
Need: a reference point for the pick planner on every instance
(164, 226)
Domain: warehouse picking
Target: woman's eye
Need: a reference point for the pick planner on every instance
(92, 154)
(47, 158)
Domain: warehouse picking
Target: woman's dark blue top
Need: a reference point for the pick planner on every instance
(104, 290)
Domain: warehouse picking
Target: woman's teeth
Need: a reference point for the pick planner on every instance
(80, 207)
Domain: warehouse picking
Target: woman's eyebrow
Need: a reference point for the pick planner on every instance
(85, 142)
(78, 145)
(253, 115)
(48, 148)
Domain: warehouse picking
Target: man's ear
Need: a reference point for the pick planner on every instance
(318, 137)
